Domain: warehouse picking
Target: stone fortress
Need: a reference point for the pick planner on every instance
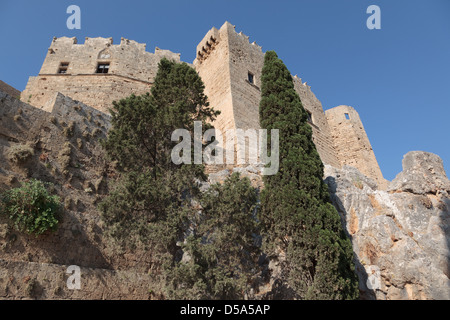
(98, 72)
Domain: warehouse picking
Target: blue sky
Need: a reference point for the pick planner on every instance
(398, 78)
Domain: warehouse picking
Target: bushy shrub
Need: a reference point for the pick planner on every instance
(30, 208)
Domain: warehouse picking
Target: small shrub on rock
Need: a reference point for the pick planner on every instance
(30, 208)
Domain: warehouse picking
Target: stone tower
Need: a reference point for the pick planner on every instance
(95, 73)
(231, 66)
(351, 143)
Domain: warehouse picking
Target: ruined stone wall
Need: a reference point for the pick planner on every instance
(131, 70)
(351, 143)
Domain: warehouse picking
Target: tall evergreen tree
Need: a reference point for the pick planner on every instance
(150, 203)
(296, 215)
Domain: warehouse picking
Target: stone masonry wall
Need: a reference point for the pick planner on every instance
(131, 70)
(212, 64)
(351, 143)
(13, 92)
(96, 90)
(224, 69)
(321, 131)
(66, 153)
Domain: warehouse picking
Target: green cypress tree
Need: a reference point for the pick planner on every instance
(296, 215)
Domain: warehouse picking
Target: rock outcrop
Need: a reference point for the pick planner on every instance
(423, 173)
(401, 237)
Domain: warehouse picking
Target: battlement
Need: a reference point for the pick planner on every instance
(92, 41)
(63, 43)
(226, 32)
(297, 79)
(96, 72)
(208, 43)
(242, 36)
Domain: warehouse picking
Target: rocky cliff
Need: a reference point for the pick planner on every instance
(401, 237)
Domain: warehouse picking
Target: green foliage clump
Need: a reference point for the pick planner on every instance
(222, 250)
(296, 215)
(30, 208)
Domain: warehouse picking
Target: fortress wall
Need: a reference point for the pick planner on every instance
(242, 111)
(245, 58)
(352, 145)
(131, 70)
(128, 58)
(13, 92)
(321, 131)
(97, 91)
(224, 61)
(212, 64)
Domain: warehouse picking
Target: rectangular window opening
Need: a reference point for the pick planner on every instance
(63, 67)
(251, 78)
(103, 67)
(310, 118)
(347, 116)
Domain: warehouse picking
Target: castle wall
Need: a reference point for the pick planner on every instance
(245, 58)
(13, 92)
(212, 64)
(321, 131)
(351, 143)
(131, 70)
(224, 61)
(97, 91)
(242, 111)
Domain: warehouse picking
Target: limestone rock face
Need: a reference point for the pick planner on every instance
(400, 237)
(422, 173)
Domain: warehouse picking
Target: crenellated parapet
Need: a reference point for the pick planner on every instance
(96, 72)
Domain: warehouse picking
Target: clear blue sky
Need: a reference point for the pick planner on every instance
(398, 78)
